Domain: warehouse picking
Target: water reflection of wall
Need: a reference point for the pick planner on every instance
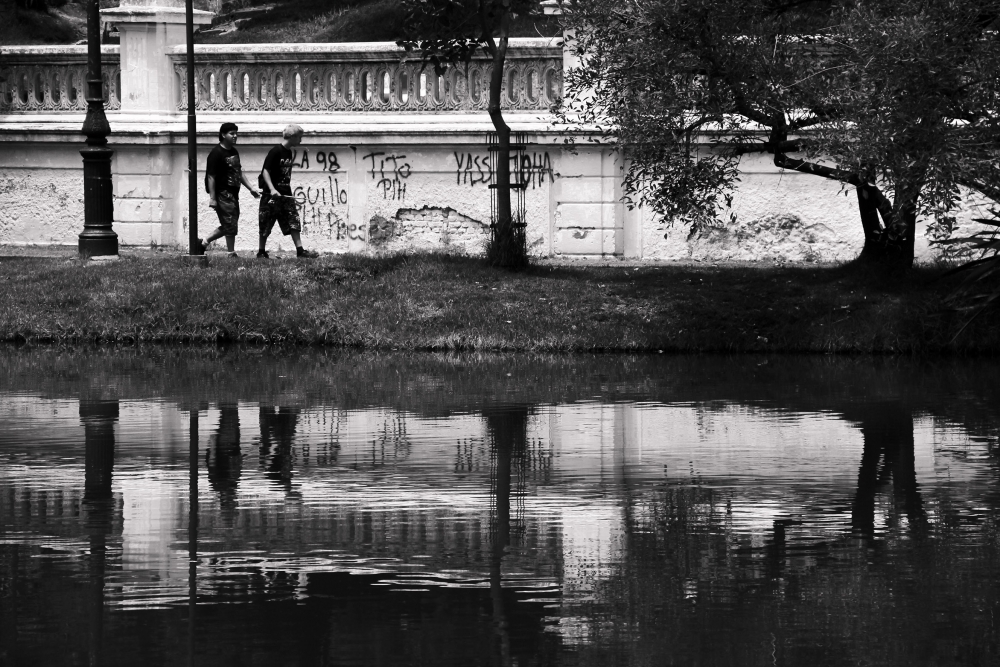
(382, 484)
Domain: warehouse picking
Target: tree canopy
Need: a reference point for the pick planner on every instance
(897, 98)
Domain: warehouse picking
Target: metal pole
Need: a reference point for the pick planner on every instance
(194, 244)
(97, 238)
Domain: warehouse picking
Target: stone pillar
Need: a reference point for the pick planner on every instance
(145, 203)
(589, 214)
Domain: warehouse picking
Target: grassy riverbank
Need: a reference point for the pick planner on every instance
(451, 303)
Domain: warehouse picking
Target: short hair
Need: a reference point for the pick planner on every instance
(227, 127)
(292, 130)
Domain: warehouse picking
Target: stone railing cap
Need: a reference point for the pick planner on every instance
(54, 50)
(342, 47)
(154, 15)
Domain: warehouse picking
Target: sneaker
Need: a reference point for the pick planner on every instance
(233, 255)
(302, 252)
(262, 254)
(202, 247)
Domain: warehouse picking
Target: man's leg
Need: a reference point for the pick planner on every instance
(231, 242)
(265, 222)
(291, 225)
(217, 234)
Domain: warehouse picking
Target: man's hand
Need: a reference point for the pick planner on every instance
(212, 203)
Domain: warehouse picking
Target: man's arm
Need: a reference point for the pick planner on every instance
(210, 184)
(246, 182)
(270, 184)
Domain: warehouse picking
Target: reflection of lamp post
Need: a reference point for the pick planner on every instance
(192, 527)
(98, 419)
(97, 238)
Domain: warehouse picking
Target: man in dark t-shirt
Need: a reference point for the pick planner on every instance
(223, 177)
(277, 203)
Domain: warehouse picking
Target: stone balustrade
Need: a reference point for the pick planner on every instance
(363, 77)
(52, 79)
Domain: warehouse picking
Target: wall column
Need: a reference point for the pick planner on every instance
(145, 204)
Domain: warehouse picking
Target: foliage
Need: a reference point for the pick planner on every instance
(980, 289)
(899, 95)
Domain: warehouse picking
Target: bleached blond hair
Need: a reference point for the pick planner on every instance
(292, 130)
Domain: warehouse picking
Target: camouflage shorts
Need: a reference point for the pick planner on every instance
(227, 207)
(280, 209)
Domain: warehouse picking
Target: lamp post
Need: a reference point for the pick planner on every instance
(97, 238)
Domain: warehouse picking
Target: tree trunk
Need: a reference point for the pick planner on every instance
(506, 246)
(889, 242)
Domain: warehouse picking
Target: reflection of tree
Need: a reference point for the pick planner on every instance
(888, 455)
(98, 417)
(225, 460)
(508, 432)
(690, 589)
(277, 429)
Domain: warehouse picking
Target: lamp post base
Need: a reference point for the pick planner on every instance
(98, 245)
(97, 237)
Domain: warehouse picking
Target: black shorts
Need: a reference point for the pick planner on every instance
(280, 209)
(227, 206)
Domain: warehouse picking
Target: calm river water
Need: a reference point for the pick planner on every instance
(245, 507)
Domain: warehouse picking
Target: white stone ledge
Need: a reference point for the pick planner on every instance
(51, 55)
(255, 129)
(154, 15)
(526, 47)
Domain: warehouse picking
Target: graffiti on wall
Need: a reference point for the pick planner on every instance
(320, 189)
(320, 183)
(532, 169)
(390, 173)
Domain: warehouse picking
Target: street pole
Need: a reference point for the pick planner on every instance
(194, 244)
(97, 238)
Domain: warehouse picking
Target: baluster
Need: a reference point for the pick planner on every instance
(403, 86)
(512, 83)
(278, 88)
(350, 92)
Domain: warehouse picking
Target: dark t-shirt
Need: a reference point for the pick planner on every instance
(224, 167)
(278, 164)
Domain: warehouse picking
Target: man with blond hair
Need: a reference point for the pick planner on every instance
(276, 202)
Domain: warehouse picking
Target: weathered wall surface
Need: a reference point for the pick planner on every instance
(397, 197)
(41, 194)
(786, 216)
(374, 197)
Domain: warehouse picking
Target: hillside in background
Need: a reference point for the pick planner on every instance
(37, 22)
(244, 22)
(260, 21)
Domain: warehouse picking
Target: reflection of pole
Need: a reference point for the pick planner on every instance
(193, 243)
(98, 419)
(97, 237)
(501, 538)
(508, 431)
(192, 529)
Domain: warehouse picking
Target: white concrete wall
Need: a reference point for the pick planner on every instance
(386, 180)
